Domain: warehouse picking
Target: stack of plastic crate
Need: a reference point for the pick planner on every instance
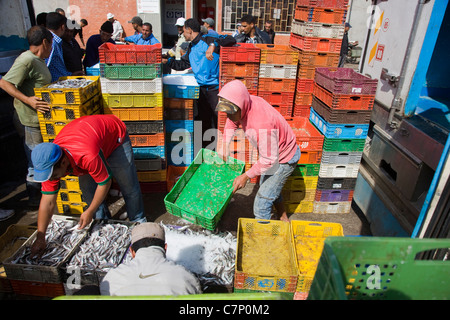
(240, 62)
(317, 31)
(68, 104)
(341, 110)
(131, 81)
(277, 76)
(300, 189)
(180, 91)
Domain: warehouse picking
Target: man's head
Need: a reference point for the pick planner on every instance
(56, 23)
(106, 31)
(208, 22)
(136, 22)
(247, 23)
(147, 234)
(60, 11)
(83, 23)
(41, 19)
(146, 30)
(49, 162)
(347, 26)
(180, 24)
(68, 34)
(110, 17)
(39, 36)
(268, 25)
(191, 29)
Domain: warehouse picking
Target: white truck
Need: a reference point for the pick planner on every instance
(403, 183)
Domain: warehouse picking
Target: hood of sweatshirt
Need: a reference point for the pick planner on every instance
(236, 92)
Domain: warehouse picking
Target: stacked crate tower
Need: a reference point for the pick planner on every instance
(179, 98)
(316, 32)
(67, 104)
(131, 82)
(341, 109)
(240, 62)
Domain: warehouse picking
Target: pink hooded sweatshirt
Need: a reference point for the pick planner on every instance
(264, 127)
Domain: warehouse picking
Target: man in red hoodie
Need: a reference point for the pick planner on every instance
(267, 130)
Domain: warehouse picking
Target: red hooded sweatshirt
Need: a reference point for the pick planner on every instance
(264, 127)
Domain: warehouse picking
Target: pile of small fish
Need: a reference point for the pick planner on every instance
(70, 84)
(60, 238)
(104, 248)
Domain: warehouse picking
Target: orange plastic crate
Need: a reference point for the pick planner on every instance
(310, 156)
(315, 44)
(303, 98)
(308, 137)
(251, 83)
(276, 84)
(277, 54)
(323, 15)
(305, 85)
(301, 111)
(173, 174)
(338, 4)
(177, 103)
(241, 52)
(239, 69)
(147, 140)
(305, 71)
(130, 54)
(277, 98)
(325, 59)
(284, 110)
(344, 101)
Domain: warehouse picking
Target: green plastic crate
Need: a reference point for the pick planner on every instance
(376, 268)
(349, 145)
(307, 169)
(203, 192)
(130, 71)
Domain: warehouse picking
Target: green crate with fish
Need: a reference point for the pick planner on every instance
(203, 192)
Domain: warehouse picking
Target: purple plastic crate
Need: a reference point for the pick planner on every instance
(334, 195)
(345, 81)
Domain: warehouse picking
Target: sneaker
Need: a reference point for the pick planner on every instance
(6, 214)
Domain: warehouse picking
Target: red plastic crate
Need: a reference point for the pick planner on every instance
(315, 44)
(301, 111)
(239, 69)
(277, 54)
(305, 85)
(307, 136)
(276, 84)
(338, 4)
(130, 54)
(173, 174)
(326, 59)
(344, 101)
(345, 81)
(303, 98)
(305, 71)
(277, 98)
(284, 110)
(147, 140)
(251, 83)
(241, 52)
(322, 15)
(310, 156)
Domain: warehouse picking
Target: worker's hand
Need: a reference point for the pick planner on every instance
(38, 104)
(85, 218)
(209, 53)
(39, 245)
(240, 182)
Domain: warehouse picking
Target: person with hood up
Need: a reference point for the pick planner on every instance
(266, 129)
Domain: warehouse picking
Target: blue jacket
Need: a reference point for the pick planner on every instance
(206, 72)
(137, 39)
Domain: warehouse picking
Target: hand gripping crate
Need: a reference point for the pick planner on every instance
(338, 4)
(308, 240)
(318, 59)
(277, 54)
(265, 257)
(317, 30)
(381, 268)
(204, 190)
(333, 195)
(307, 136)
(338, 131)
(315, 44)
(67, 112)
(282, 71)
(77, 96)
(241, 52)
(344, 101)
(332, 207)
(239, 69)
(180, 86)
(345, 81)
(137, 114)
(130, 54)
(323, 15)
(130, 72)
(131, 86)
(133, 100)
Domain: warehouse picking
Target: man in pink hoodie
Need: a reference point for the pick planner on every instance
(267, 130)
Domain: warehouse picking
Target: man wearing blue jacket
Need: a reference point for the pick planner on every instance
(146, 37)
(203, 57)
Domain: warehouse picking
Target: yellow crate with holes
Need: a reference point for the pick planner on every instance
(68, 112)
(133, 100)
(69, 183)
(137, 114)
(70, 95)
(299, 207)
(308, 240)
(67, 207)
(298, 195)
(301, 183)
(70, 196)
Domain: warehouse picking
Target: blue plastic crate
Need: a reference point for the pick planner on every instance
(338, 131)
(172, 125)
(183, 153)
(93, 71)
(180, 86)
(149, 152)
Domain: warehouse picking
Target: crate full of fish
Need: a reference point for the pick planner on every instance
(103, 248)
(70, 90)
(265, 257)
(204, 190)
(62, 238)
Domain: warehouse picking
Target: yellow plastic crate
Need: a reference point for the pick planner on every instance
(301, 183)
(67, 207)
(152, 176)
(308, 238)
(67, 112)
(70, 183)
(136, 114)
(298, 195)
(299, 207)
(50, 129)
(133, 100)
(265, 257)
(70, 196)
(70, 95)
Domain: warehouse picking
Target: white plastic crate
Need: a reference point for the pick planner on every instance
(338, 170)
(332, 207)
(341, 158)
(284, 71)
(131, 86)
(317, 30)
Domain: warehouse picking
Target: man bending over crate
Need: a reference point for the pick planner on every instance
(95, 148)
(267, 130)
